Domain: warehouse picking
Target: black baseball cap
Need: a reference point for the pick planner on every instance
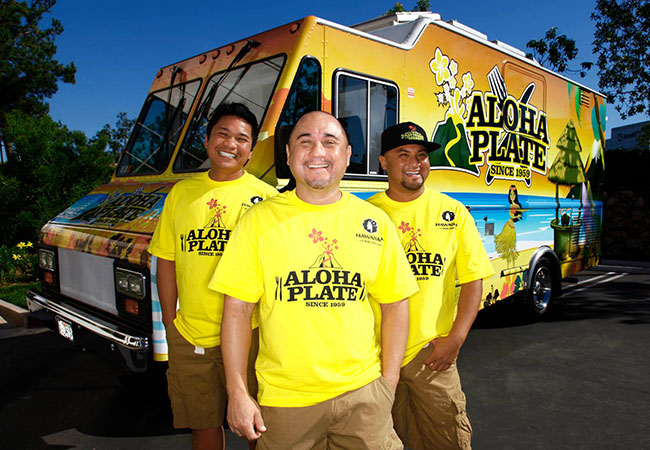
(403, 134)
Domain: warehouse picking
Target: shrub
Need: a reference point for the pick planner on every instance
(18, 264)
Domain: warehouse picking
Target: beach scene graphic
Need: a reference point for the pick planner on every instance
(326, 258)
(216, 221)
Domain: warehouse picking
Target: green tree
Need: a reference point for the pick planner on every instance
(622, 43)
(29, 73)
(117, 136)
(50, 168)
(555, 51)
(420, 5)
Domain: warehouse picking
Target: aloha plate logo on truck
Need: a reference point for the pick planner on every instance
(493, 127)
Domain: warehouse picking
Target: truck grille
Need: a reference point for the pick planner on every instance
(88, 279)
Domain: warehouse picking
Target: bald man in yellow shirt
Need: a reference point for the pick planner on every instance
(318, 258)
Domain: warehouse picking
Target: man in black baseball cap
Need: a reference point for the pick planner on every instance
(442, 244)
(405, 133)
(405, 157)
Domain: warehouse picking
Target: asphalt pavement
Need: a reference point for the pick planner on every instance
(579, 379)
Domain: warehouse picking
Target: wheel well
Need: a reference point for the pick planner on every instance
(548, 254)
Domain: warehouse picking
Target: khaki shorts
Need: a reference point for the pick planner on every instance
(359, 419)
(429, 409)
(197, 383)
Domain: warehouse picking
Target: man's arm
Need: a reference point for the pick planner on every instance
(244, 415)
(394, 333)
(446, 349)
(167, 289)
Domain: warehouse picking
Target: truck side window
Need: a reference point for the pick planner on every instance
(303, 97)
(365, 107)
(305, 92)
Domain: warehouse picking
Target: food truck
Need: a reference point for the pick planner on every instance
(521, 148)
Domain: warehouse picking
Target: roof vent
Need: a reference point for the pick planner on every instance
(468, 30)
(510, 48)
(392, 20)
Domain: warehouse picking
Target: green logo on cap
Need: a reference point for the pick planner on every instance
(412, 136)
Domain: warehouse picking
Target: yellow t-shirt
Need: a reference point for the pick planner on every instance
(196, 222)
(316, 268)
(442, 245)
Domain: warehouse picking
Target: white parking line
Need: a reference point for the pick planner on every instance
(573, 291)
(593, 279)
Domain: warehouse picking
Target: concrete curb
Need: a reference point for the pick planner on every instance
(14, 315)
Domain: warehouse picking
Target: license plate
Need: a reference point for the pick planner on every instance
(65, 329)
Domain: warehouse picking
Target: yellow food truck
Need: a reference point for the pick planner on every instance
(522, 148)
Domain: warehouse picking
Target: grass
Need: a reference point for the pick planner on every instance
(15, 293)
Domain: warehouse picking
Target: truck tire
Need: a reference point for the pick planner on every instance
(541, 293)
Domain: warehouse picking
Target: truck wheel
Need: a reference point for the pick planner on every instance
(540, 293)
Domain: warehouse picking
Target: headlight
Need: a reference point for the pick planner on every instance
(46, 260)
(130, 283)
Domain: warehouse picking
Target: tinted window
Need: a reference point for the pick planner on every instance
(305, 93)
(304, 97)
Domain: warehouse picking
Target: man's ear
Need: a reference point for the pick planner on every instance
(382, 162)
(250, 155)
(288, 153)
(349, 153)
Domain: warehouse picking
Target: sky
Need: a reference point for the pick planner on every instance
(118, 46)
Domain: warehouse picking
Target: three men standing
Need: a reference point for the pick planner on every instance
(443, 247)
(325, 269)
(191, 235)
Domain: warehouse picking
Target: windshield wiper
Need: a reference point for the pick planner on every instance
(175, 71)
(203, 110)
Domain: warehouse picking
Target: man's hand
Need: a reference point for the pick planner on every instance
(446, 349)
(444, 353)
(245, 417)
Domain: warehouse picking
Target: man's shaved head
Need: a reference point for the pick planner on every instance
(306, 116)
(318, 154)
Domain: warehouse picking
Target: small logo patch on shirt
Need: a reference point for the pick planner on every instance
(448, 216)
(370, 226)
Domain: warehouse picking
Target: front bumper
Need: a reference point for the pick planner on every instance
(93, 333)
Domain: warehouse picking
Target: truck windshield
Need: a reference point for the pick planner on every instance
(252, 85)
(157, 130)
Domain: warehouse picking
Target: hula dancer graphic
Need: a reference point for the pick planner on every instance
(506, 241)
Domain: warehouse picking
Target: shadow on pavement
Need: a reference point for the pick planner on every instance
(626, 300)
(504, 314)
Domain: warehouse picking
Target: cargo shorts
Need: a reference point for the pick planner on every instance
(358, 419)
(429, 410)
(196, 382)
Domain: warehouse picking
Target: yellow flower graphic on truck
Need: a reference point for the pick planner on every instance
(450, 133)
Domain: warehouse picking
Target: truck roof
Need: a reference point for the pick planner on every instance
(403, 30)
